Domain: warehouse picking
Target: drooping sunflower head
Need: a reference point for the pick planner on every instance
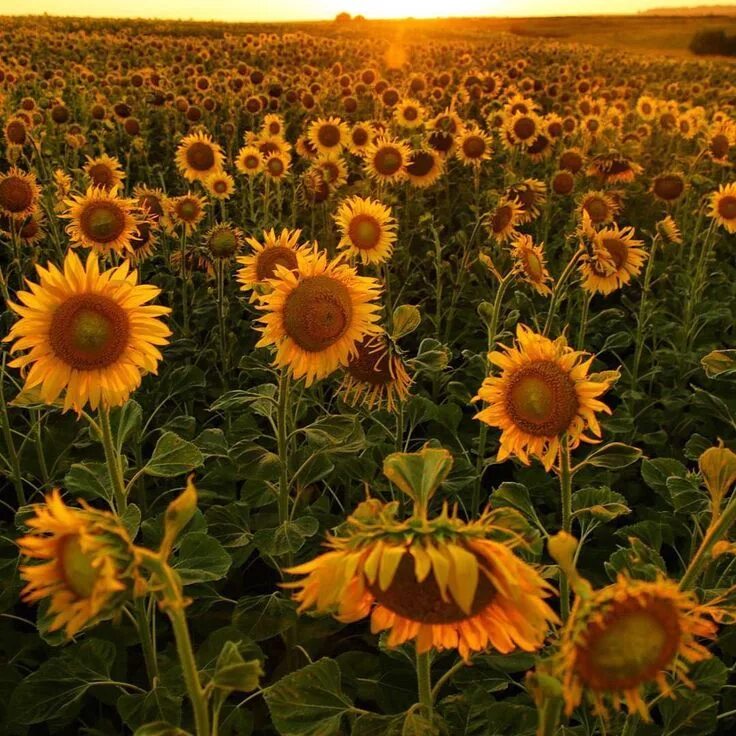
(376, 375)
(198, 156)
(544, 394)
(530, 195)
(530, 263)
(368, 229)
(84, 564)
(386, 160)
(151, 200)
(439, 582)
(316, 314)
(669, 187)
(722, 206)
(501, 222)
(616, 256)
(143, 245)
(333, 169)
(613, 167)
(101, 220)
(627, 635)
(88, 334)
(669, 231)
(104, 172)
(276, 250)
(425, 167)
(19, 193)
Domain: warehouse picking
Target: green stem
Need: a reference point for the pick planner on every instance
(39, 447)
(630, 725)
(10, 445)
(566, 500)
(587, 298)
(144, 632)
(221, 322)
(112, 459)
(558, 290)
(424, 683)
(642, 314)
(483, 431)
(717, 530)
(282, 442)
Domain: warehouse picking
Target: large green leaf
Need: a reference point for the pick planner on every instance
(173, 456)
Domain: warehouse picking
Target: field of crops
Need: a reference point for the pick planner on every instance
(364, 384)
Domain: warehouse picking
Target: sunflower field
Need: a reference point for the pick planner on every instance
(359, 383)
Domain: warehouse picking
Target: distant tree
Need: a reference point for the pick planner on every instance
(343, 18)
(713, 42)
(359, 19)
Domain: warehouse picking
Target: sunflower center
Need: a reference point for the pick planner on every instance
(541, 399)
(360, 136)
(275, 166)
(328, 135)
(89, 331)
(102, 222)
(16, 194)
(251, 161)
(200, 156)
(77, 567)
(617, 249)
(421, 164)
(669, 187)
(633, 643)
(317, 313)
(364, 232)
(371, 364)
(597, 209)
(727, 208)
(422, 602)
(411, 113)
(101, 175)
(269, 258)
(187, 210)
(524, 128)
(388, 161)
(16, 132)
(474, 147)
(223, 243)
(719, 145)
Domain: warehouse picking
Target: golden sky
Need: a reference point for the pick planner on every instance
(278, 10)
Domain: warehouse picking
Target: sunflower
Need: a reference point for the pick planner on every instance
(186, 211)
(104, 172)
(333, 169)
(601, 207)
(198, 156)
(613, 167)
(19, 194)
(272, 125)
(386, 160)
(328, 135)
(571, 160)
(409, 114)
(150, 200)
(86, 565)
(669, 231)
(563, 182)
(668, 187)
(721, 138)
(223, 240)
(316, 315)
(249, 161)
(473, 147)
(361, 136)
(530, 195)
(530, 263)
(502, 222)
(367, 228)
(376, 375)
(425, 167)
(722, 206)
(276, 166)
(276, 250)
(440, 582)
(219, 185)
(16, 132)
(522, 129)
(143, 245)
(101, 220)
(542, 394)
(617, 256)
(88, 333)
(627, 635)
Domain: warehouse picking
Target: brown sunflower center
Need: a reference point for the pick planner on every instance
(223, 243)
(411, 114)
(524, 128)
(571, 161)
(89, 331)
(102, 221)
(719, 145)
(421, 164)
(388, 160)
(669, 187)
(16, 194)
(275, 166)
(631, 645)
(598, 209)
(423, 602)
(501, 218)
(200, 156)
(371, 364)
(360, 136)
(251, 161)
(317, 313)
(474, 146)
(727, 208)
(16, 132)
(269, 258)
(563, 182)
(101, 175)
(617, 249)
(328, 135)
(541, 399)
(187, 210)
(77, 567)
(364, 232)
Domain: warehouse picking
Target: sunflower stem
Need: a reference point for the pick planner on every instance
(631, 724)
(587, 298)
(424, 683)
(221, 323)
(172, 602)
(112, 458)
(717, 530)
(10, 444)
(566, 501)
(282, 443)
(640, 321)
(558, 290)
(144, 632)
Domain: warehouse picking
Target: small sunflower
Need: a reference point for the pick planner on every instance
(328, 135)
(627, 635)
(219, 185)
(249, 161)
(386, 160)
(542, 395)
(86, 563)
(669, 187)
(376, 375)
(440, 582)
(198, 156)
(101, 220)
(87, 333)
(669, 231)
(361, 136)
(186, 211)
(530, 195)
(473, 147)
(601, 207)
(223, 241)
(502, 221)
(722, 206)
(104, 172)
(617, 256)
(316, 315)
(425, 167)
(409, 114)
(333, 169)
(522, 129)
(276, 166)
(19, 193)
(367, 228)
(530, 263)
